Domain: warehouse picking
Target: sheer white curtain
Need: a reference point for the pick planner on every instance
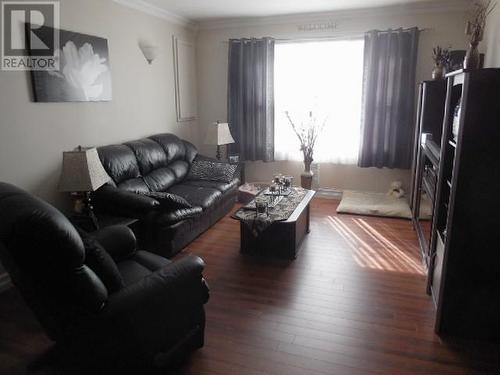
(326, 78)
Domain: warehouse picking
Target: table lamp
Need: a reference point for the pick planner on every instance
(219, 134)
(83, 173)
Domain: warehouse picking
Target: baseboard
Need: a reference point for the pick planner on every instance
(329, 193)
(5, 282)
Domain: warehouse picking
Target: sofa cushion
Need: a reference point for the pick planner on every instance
(135, 185)
(174, 147)
(210, 170)
(180, 169)
(196, 195)
(119, 162)
(149, 154)
(191, 152)
(169, 200)
(221, 186)
(160, 179)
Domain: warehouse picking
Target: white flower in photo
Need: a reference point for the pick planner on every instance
(82, 68)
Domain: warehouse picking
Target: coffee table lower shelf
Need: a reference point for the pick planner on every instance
(282, 239)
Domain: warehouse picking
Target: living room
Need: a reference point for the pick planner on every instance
(305, 174)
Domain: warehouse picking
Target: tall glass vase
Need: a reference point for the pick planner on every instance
(472, 59)
(306, 176)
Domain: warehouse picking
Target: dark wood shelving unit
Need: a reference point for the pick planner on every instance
(464, 253)
(432, 95)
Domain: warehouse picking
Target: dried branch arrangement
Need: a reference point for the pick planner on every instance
(477, 22)
(441, 56)
(307, 133)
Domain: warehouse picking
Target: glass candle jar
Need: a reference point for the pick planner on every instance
(261, 205)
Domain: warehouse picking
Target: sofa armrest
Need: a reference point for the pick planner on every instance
(118, 240)
(118, 202)
(171, 217)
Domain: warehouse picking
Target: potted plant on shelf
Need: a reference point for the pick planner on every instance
(475, 30)
(307, 133)
(441, 57)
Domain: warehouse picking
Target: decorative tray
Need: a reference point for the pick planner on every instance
(272, 203)
(283, 193)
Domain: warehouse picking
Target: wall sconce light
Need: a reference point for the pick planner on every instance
(149, 52)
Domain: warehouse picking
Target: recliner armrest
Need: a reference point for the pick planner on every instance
(112, 200)
(180, 281)
(118, 240)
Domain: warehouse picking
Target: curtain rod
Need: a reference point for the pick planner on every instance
(321, 38)
(401, 28)
(347, 35)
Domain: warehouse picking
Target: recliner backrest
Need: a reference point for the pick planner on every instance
(150, 164)
(45, 257)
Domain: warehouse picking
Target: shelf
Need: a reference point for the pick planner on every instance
(432, 151)
(442, 236)
(452, 143)
(448, 183)
(428, 188)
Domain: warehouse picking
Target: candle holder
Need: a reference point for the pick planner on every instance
(261, 206)
(288, 182)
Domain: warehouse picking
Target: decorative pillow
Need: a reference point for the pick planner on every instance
(98, 259)
(169, 200)
(209, 170)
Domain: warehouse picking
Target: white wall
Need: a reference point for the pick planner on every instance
(34, 135)
(444, 26)
(492, 40)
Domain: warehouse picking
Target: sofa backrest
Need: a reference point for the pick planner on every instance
(150, 164)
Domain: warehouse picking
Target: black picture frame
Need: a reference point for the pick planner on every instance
(84, 74)
(456, 60)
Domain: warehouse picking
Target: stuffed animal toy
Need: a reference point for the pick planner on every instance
(396, 190)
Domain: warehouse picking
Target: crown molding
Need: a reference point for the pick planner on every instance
(445, 6)
(155, 11)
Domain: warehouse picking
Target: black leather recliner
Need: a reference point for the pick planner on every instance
(101, 300)
(161, 163)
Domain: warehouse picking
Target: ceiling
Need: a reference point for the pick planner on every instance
(202, 10)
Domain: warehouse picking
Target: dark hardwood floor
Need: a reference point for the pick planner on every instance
(353, 302)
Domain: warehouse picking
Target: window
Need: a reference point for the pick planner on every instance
(326, 78)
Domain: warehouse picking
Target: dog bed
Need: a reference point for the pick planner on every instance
(374, 204)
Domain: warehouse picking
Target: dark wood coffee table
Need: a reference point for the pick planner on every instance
(283, 238)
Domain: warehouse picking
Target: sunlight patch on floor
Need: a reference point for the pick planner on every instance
(386, 255)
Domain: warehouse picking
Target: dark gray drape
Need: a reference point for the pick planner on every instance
(388, 98)
(251, 98)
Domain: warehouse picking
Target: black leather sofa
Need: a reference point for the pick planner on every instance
(102, 301)
(163, 163)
